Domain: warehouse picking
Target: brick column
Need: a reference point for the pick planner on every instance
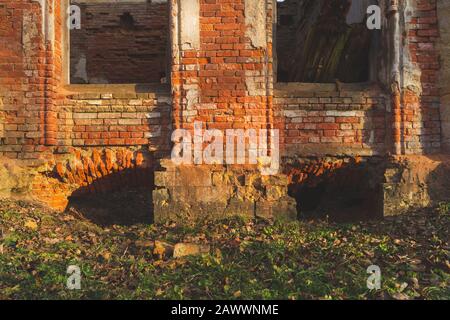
(221, 78)
(414, 71)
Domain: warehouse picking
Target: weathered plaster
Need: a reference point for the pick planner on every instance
(411, 73)
(189, 14)
(255, 21)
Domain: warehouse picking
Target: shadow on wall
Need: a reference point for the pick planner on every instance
(114, 186)
(438, 180)
(341, 190)
(122, 198)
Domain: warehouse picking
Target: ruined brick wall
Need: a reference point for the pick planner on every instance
(338, 119)
(134, 115)
(22, 79)
(93, 171)
(114, 117)
(221, 80)
(318, 119)
(120, 43)
(221, 75)
(420, 118)
(224, 79)
(43, 123)
(368, 121)
(222, 61)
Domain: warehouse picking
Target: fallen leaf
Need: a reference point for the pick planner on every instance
(403, 286)
(162, 249)
(400, 296)
(106, 255)
(32, 225)
(415, 282)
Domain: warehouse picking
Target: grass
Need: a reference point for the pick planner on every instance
(248, 260)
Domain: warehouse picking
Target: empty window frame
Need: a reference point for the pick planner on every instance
(120, 42)
(322, 41)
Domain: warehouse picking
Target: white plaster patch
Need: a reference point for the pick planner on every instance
(255, 21)
(189, 14)
(411, 72)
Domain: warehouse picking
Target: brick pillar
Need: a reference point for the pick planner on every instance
(221, 78)
(51, 10)
(414, 71)
(23, 78)
(221, 62)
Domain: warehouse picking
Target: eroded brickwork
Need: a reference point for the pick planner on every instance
(420, 119)
(22, 78)
(116, 118)
(222, 82)
(343, 120)
(222, 76)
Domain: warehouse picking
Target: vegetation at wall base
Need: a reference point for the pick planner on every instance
(244, 259)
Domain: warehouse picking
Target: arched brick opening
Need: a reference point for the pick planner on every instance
(107, 185)
(340, 189)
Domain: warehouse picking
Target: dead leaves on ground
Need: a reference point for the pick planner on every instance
(412, 251)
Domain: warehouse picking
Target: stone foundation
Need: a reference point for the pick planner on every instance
(415, 182)
(340, 187)
(198, 192)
